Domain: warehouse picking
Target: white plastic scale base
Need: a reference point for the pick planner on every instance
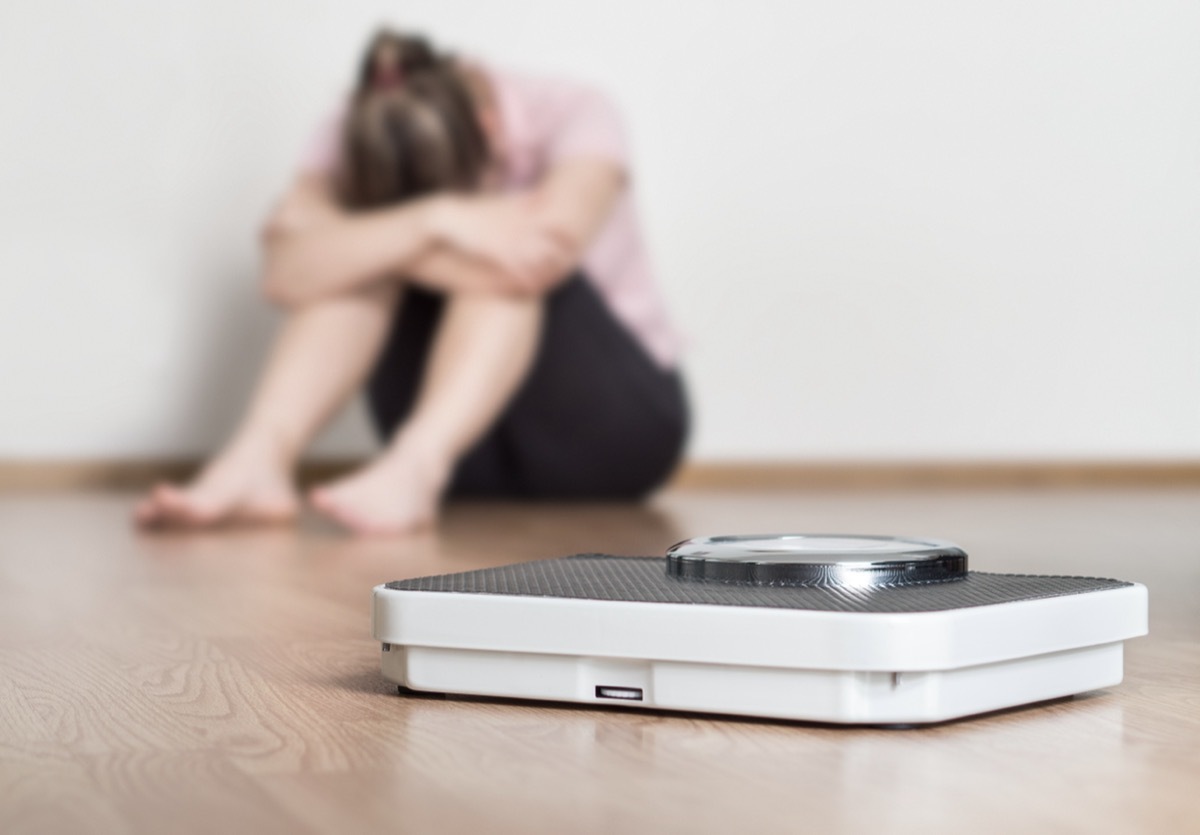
(787, 663)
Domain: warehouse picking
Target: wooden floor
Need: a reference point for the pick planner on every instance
(228, 683)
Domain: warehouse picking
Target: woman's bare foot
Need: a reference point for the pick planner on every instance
(397, 493)
(242, 486)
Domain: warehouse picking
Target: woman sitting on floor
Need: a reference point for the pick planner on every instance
(462, 240)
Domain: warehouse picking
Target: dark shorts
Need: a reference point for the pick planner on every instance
(595, 418)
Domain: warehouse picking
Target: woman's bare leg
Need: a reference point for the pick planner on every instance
(320, 357)
(483, 350)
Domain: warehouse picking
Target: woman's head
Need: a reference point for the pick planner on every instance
(412, 128)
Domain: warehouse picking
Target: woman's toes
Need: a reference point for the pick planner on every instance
(155, 509)
(145, 513)
(187, 509)
(327, 502)
(319, 497)
(165, 500)
(172, 501)
(367, 515)
(330, 503)
(220, 495)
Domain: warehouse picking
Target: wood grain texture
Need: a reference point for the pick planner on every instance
(227, 682)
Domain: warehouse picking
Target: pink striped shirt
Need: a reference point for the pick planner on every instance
(545, 121)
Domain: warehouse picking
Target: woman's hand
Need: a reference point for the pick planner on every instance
(509, 232)
(515, 243)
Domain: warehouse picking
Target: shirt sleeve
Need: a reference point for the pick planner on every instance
(589, 126)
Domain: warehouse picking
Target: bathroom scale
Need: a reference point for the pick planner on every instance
(818, 627)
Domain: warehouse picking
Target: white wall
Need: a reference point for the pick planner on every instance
(892, 230)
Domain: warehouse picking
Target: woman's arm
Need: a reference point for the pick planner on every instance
(313, 249)
(568, 208)
(521, 244)
(576, 199)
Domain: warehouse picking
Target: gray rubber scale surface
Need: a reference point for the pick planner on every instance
(644, 580)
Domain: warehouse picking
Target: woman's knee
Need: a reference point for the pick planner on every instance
(481, 307)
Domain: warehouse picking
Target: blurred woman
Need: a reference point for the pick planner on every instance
(462, 241)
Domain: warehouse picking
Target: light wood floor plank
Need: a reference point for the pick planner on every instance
(227, 682)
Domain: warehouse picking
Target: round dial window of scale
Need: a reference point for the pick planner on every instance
(850, 560)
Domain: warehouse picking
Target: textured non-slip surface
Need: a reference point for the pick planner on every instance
(644, 580)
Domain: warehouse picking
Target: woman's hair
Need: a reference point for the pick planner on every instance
(412, 127)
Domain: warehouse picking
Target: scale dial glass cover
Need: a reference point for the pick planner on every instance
(852, 560)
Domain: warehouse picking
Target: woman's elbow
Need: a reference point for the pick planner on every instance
(277, 289)
(274, 295)
(559, 270)
(285, 273)
(546, 284)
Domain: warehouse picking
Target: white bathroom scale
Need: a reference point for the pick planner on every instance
(818, 627)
